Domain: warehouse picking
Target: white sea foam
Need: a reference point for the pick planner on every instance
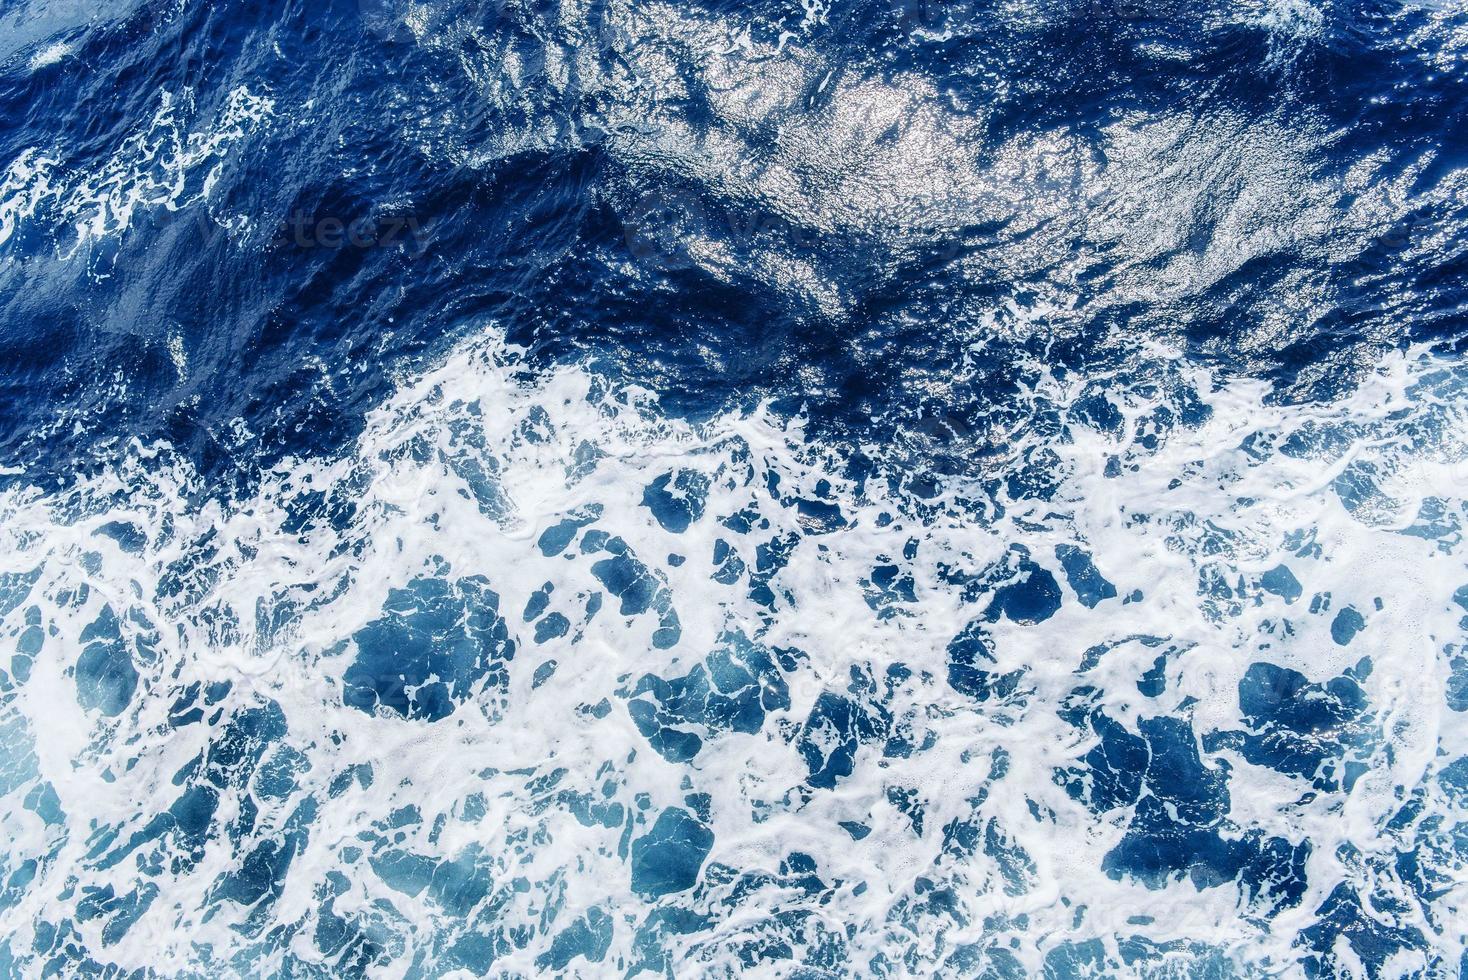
(27, 183)
(461, 472)
(170, 162)
(50, 55)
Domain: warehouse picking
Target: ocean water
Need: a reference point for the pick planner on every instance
(841, 488)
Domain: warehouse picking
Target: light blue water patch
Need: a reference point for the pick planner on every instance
(1114, 767)
(105, 674)
(552, 627)
(589, 938)
(970, 655)
(439, 643)
(1031, 596)
(677, 499)
(1453, 778)
(129, 536)
(547, 627)
(733, 690)
(558, 537)
(119, 912)
(889, 589)
(1301, 728)
(1342, 920)
(839, 725)
(639, 588)
(403, 871)
(1179, 826)
(1090, 586)
(729, 568)
(1281, 581)
(1456, 693)
(27, 646)
(15, 587)
(195, 700)
(667, 858)
(1347, 623)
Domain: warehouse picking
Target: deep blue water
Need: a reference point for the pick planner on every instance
(809, 489)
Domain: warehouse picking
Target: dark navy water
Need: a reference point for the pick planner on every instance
(512, 193)
(794, 488)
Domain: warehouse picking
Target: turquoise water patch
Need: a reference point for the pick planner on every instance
(437, 644)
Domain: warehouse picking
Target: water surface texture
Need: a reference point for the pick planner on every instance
(792, 488)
